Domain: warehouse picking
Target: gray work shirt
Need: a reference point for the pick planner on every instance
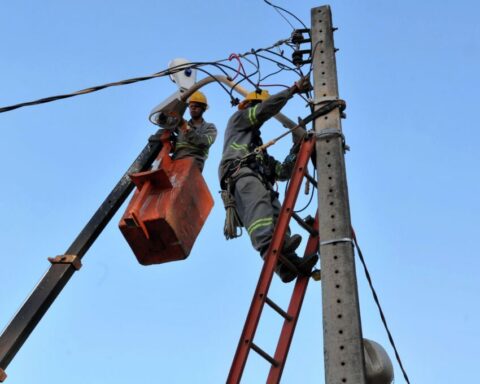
(195, 142)
(243, 123)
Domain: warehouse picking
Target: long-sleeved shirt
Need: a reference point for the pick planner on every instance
(244, 125)
(195, 142)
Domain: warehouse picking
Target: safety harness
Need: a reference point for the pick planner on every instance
(257, 160)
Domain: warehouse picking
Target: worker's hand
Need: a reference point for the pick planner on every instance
(184, 126)
(303, 85)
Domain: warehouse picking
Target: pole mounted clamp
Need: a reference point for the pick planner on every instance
(74, 260)
(333, 241)
(323, 100)
(328, 133)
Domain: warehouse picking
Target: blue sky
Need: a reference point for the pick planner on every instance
(409, 74)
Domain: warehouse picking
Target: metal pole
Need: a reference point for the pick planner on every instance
(342, 333)
(58, 275)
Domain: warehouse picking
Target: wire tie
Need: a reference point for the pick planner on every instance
(342, 240)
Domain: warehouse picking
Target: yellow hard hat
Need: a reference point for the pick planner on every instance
(262, 95)
(198, 97)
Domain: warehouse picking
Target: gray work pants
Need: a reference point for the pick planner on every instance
(258, 208)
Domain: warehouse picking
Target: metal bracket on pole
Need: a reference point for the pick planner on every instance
(73, 260)
(342, 333)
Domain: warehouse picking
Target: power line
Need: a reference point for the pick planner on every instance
(219, 64)
(382, 315)
(278, 9)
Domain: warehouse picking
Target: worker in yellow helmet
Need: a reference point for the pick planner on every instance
(195, 136)
(247, 182)
(253, 97)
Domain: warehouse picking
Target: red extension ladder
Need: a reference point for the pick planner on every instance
(261, 298)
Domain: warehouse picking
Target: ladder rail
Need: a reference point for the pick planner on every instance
(266, 275)
(288, 328)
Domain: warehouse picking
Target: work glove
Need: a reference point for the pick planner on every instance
(302, 85)
(295, 148)
(184, 127)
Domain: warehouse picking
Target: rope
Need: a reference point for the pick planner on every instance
(375, 297)
(233, 224)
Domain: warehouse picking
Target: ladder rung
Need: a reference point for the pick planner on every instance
(304, 225)
(264, 354)
(279, 310)
(311, 179)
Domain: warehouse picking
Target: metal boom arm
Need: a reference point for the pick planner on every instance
(58, 275)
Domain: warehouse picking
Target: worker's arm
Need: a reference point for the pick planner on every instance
(270, 107)
(283, 171)
(201, 140)
(263, 111)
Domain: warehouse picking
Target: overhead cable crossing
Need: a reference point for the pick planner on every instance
(229, 71)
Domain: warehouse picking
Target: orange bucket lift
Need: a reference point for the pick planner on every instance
(168, 209)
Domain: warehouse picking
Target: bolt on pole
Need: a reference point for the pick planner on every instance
(342, 333)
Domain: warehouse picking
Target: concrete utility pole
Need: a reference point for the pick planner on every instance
(342, 333)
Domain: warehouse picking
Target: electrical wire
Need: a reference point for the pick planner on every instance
(271, 74)
(258, 66)
(279, 63)
(196, 65)
(312, 193)
(240, 65)
(277, 8)
(377, 301)
(280, 13)
(219, 82)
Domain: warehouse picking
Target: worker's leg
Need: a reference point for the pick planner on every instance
(303, 264)
(255, 209)
(258, 214)
(291, 243)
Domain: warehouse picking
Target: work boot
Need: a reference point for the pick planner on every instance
(285, 273)
(288, 272)
(304, 264)
(291, 244)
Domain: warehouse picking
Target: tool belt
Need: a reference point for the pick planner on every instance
(233, 224)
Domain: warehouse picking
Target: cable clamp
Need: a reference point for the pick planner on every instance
(323, 100)
(342, 240)
(327, 133)
(74, 260)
